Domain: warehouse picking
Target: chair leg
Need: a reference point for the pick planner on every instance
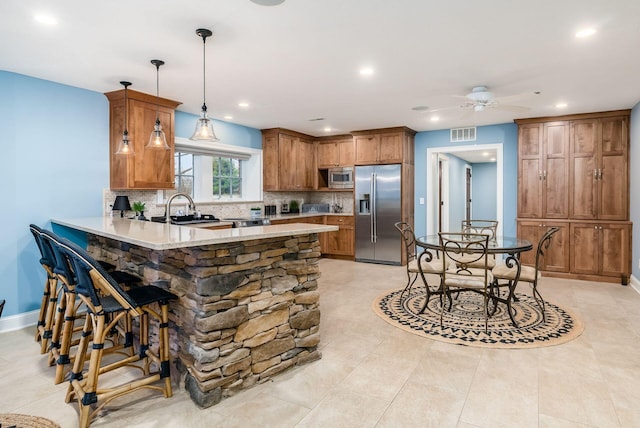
(42, 317)
(47, 328)
(538, 298)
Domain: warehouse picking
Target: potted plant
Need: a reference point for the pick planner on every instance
(294, 207)
(139, 207)
(256, 212)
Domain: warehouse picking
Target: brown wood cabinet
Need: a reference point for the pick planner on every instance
(573, 171)
(542, 170)
(557, 255)
(335, 152)
(382, 146)
(599, 169)
(148, 168)
(288, 160)
(338, 244)
(342, 242)
(601, 249)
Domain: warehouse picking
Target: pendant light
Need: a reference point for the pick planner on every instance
(157, 140)
(204, 127)
(125, 147)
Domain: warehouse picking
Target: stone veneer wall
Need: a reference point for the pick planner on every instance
(246, 310)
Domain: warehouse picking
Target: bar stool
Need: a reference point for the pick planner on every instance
(44, 327)
(107, 303)
(68, 309)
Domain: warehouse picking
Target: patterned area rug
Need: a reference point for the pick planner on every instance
(464, 325)
(25, 421)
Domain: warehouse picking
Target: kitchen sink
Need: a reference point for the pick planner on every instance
(187, 219)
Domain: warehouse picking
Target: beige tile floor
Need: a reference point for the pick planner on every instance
(374, 375)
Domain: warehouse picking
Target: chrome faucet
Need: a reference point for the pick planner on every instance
(167, 212)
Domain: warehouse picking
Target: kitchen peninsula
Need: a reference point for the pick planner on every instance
(248, 304)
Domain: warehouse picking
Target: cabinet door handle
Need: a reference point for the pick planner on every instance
(544, 174)
(539, 175)
(595, 174)
(600, 174)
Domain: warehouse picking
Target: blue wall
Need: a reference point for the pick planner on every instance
(483, 183)
(56, 165)
(505, 134)
(634, 183)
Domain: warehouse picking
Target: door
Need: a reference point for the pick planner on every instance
(467, 198)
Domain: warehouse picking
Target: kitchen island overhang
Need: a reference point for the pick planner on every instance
(248, 304)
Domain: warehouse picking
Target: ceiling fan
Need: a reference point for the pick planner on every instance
(480, 99)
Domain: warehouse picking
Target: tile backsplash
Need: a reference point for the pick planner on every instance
(227, 209)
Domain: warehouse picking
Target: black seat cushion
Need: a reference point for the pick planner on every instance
(124, 277)
(150, 294)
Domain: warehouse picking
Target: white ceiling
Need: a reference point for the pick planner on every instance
(300, 60)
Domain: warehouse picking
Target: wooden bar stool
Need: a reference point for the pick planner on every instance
(107, 303)
(44, 328)
(65, 332)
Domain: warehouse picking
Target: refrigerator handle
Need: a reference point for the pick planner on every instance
(374, 209)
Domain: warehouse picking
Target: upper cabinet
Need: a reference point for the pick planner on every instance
(599, 168)
(147, 168)
(543, 170)
(336, 152)
(288, 160)
(384, 146)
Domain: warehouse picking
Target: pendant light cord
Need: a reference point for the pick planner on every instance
(157, 92)
(204, 73)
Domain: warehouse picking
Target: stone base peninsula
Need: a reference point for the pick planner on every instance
(248, 304)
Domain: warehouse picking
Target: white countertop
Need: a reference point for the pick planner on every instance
(163, 236)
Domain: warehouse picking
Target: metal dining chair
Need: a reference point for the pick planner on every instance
(530, 274)
(465, 267)
(418, 264)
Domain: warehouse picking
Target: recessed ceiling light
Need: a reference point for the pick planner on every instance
(227, 117)
(586, 32)
(492, 159)
(366, 71)
(435, 118)
(327, 129)
(45, 19)
(243, 104)
(485, 154)
(561, 105)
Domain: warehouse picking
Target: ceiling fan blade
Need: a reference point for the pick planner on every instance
(515, 97)
(508, 107)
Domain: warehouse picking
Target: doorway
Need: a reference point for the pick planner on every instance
(437, 181)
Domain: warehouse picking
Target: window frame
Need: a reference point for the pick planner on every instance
(251, 169)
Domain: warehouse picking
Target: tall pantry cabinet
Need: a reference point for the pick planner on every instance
(573, 173)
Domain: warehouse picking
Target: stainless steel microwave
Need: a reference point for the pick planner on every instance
(341, 178)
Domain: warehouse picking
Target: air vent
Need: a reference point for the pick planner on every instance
(463, 134)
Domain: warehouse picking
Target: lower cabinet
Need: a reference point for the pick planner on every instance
(340, 243)
(597, 251)
(601, 249)
(556, 257)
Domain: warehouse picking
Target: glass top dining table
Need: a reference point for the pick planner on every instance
(499, 245)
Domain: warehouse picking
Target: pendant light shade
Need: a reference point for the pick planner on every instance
(204, 127)
(157, 140)
(125, 147)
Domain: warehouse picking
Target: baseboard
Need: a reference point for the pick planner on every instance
(635, 284)
(16, 322)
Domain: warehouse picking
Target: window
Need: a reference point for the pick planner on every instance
(212, 172)
(184, 173)
(227, 177)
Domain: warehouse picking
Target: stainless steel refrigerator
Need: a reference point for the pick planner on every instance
(378, 208)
